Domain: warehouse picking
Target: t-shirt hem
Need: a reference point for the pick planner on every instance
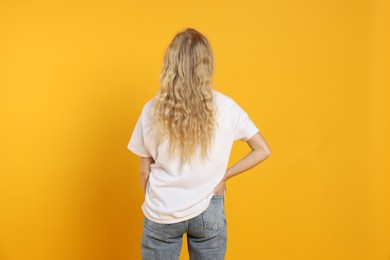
(176, 220)
(138, 152)
(249, 136)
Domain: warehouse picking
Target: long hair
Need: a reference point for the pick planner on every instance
(184, 109)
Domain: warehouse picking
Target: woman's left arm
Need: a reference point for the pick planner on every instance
(145, 171)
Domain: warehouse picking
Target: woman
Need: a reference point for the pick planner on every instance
(184, 137)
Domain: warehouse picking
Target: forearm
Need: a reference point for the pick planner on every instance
(145, 171)
(144, 181)
(252, 159)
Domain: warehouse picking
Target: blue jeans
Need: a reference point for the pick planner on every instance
(206, 235)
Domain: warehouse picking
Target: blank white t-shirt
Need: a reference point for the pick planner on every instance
(175, 193)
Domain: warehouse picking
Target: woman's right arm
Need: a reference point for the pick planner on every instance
(260, 152)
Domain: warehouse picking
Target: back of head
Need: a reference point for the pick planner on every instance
(184, 109)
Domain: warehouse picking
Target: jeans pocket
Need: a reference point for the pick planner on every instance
(154, 225)
(213, 217)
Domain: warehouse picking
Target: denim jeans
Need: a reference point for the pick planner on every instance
(206, 235)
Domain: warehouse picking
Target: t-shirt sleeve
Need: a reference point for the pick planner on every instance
(242, 126)
(137, 141)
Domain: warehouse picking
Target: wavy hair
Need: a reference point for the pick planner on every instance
(184, 110)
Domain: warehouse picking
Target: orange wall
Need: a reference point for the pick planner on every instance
(313, 75)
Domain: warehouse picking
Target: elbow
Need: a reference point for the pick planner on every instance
(267, 152)
(262, 154)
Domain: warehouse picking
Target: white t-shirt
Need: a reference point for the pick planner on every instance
(175, 193)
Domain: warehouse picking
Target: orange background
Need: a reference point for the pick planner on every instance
(312, 75)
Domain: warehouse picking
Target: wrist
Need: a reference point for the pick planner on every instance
(226, 177)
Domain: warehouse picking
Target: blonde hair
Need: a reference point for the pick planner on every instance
(184, 107)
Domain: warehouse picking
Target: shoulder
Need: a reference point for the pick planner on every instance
(147, 110)
(148, 106)
(224, 100)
